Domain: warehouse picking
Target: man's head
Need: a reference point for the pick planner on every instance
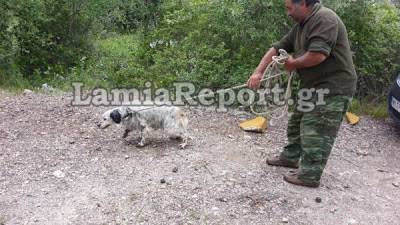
(299, 10)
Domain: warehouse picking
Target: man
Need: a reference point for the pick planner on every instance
(322, 58)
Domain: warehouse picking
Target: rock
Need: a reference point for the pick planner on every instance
(285, 220)
(162, 181)
(363, 153)
(28, 92)
(318, 200)
(47, 88)
(175, 169)
(396, 184)
(222, 199)
(352, 221)
(59, 174)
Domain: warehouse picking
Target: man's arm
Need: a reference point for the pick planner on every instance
(309, 59)
(258, 72)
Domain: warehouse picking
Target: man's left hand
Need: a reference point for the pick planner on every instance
(290, 64)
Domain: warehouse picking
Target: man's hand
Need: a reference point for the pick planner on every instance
(258, 72)
(290, 64)
(254, 79)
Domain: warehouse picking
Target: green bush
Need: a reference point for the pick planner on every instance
(214, 44)
(46, 37)
(211, 43)
(374, 32)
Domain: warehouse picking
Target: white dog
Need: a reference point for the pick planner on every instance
(172, 119)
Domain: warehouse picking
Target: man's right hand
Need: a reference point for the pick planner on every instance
(262, 66)
(254, 80)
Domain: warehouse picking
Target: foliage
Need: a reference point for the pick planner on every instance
(377, 109)
(212, 43)
(45, 37)
(123, 16)
(374, 31)
(115, 64)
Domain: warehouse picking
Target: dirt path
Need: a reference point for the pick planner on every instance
(57, 167)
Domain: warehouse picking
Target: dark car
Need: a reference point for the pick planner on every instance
(394, 101)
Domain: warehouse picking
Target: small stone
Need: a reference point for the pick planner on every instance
(247, 137)
(318, 200)
(126, 156)
(352, 221)
(363, 153)
(72, 142)
(285, 220)
(396, 184)
(175, 169)
(162, 181)
(333, 210)
(28, 92)
(98, 149)
(58, 174)
(222, 199)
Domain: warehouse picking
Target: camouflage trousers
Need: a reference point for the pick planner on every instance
(311, 136)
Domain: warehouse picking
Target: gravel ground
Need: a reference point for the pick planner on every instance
(57, 167)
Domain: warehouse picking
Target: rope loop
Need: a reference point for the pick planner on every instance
(274, 73)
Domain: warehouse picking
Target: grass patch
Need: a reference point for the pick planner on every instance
(376, 109)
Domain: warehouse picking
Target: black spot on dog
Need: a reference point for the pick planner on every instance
(116, 116)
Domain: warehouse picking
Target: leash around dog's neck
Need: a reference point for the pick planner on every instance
(128, 114)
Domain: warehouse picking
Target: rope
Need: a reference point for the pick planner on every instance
(271, 72)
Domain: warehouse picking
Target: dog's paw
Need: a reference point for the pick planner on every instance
(140, 145)
(183, 145)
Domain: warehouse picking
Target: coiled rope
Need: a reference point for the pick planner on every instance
(273, 72)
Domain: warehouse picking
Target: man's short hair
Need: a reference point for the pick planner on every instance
(308, 2)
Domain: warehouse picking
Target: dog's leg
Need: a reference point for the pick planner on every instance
(126, 132)
(184, 142)
(143, 133)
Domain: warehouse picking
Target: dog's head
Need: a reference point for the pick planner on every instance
(114, 116)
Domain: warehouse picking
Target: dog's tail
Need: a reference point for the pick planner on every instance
(182, 119)
(183, 124)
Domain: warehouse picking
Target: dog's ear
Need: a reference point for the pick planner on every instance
(116, 116)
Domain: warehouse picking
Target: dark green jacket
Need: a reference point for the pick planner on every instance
(323, 31)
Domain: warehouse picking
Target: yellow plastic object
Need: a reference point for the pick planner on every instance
(259, 124)
(353, 119)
